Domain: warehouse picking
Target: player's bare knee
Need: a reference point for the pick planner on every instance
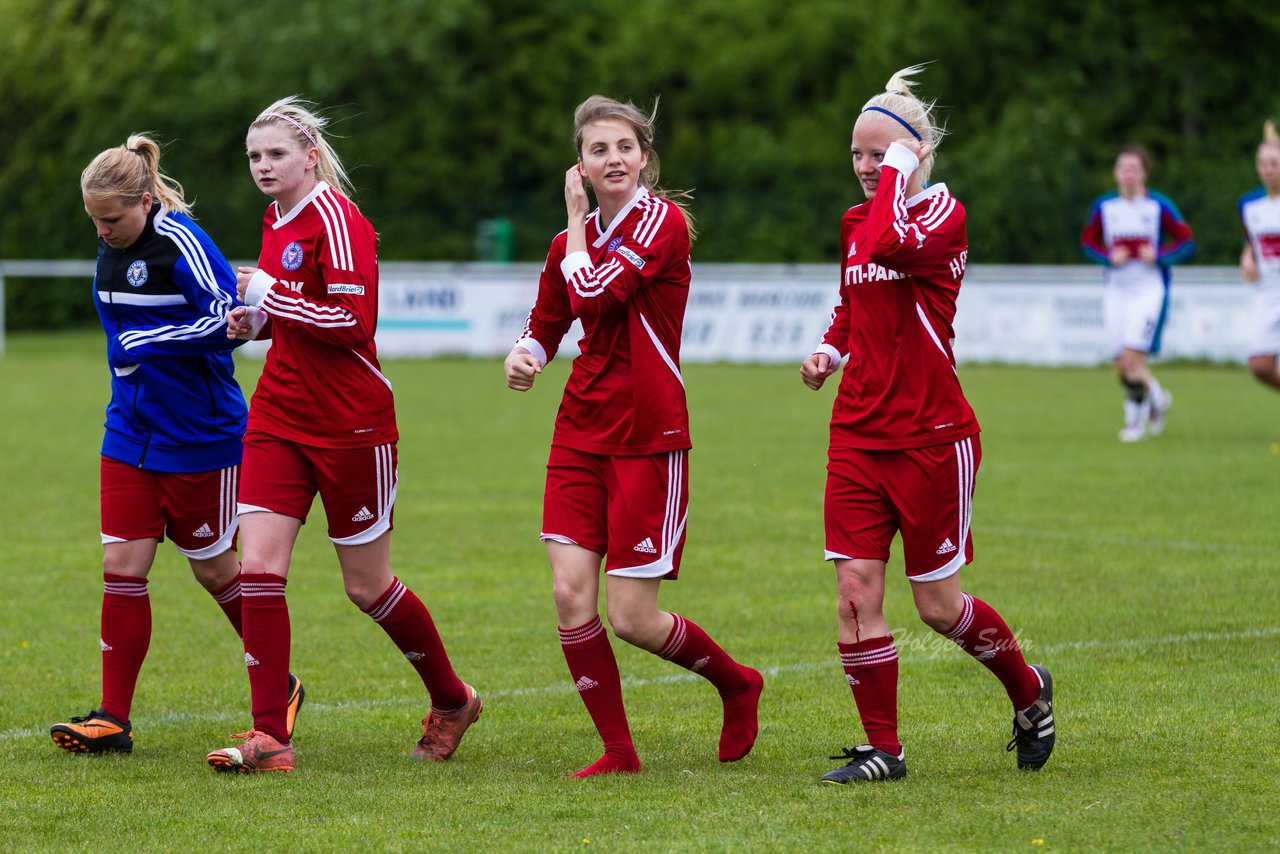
(640, 629)
(854, 588)
(1264, 368)
(207, 579)
(572, 597)
(362, 595)
(938, 615)
(114, 564)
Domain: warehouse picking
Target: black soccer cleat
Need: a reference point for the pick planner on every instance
(1033, 726)
(96, 732)
(867, 764)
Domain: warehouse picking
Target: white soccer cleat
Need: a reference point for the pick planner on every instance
(1133, 433)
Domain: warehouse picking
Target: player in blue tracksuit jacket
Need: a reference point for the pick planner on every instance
(175, 404)
(172, 447)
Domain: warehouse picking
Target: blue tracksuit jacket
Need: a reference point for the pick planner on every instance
(175, 404)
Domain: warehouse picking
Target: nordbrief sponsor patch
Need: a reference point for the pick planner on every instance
(635, 259)
(346, 289)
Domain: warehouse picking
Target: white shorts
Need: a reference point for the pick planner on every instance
(1264, 335)
(1134, 315)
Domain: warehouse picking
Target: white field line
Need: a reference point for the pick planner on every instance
(684, 676)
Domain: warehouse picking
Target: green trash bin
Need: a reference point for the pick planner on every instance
(495, 240)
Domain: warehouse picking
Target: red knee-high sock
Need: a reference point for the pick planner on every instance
(981, 633)
(265, 615)
(409, 625)
(871, 669)
(693, 649)
(595, 675)
(228, 599)
(126, 635)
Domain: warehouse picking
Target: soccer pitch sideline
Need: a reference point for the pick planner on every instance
(1144, 575)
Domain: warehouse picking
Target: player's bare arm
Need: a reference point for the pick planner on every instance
(1248, 265)
(576, 205)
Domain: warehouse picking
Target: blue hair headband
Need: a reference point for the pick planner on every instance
(897, 118)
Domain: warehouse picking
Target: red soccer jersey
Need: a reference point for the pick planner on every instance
(625, 395)
(904, 261)
(322, 384)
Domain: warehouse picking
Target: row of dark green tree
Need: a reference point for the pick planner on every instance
(454, 112)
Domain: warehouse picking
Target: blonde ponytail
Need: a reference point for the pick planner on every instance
(128, 171)
(899, 101)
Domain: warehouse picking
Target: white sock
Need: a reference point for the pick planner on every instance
(1155, 393)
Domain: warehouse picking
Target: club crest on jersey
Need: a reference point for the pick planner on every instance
(615, 243)
(136, 275)
(291, 258)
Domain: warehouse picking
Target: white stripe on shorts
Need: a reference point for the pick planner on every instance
(964, 478)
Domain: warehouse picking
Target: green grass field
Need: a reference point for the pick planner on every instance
(1145, 576)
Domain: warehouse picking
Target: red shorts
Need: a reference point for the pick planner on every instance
(196, 509)
(632, 510)
(926, 493)
(357, 485)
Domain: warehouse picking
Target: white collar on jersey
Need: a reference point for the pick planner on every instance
(640, 196)
(300, 206)
(929, 192)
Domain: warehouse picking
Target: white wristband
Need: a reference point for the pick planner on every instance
(539, 352)
(832, 353)
(256, 291)
(573, 262)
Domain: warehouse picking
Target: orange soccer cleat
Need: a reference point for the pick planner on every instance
(260, 752)
(442, 731)
(96, 732)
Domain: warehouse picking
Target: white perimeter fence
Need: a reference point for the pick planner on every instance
(1036, 315)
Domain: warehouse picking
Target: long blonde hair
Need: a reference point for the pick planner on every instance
(301, 119)
(598, 108)
(128, 171)
(899, 98)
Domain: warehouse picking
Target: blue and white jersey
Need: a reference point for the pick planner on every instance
(1148, 221)
(1260, 215)
(175, 404)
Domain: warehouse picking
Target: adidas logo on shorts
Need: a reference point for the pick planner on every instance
(947, 547)
(363, 516)
(585, 683)
(203, 531)
(646, 546)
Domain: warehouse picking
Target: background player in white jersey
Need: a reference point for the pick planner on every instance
(322, 421)
(1260, 260)
(904, 449)
(1137, 234)
(617, 479)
